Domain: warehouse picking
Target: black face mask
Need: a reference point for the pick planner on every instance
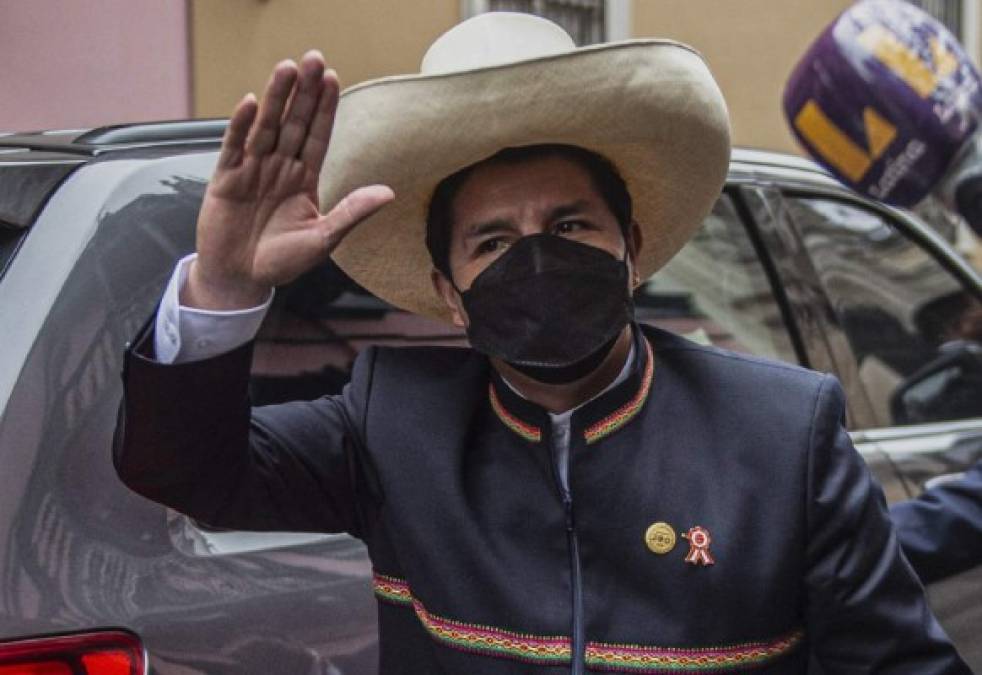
(550, 307)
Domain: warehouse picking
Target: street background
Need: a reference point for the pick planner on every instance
(83, 63)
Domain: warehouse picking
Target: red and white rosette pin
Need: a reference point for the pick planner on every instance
(699, 541)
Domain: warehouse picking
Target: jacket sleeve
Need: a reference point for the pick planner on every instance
(941, 530)
(188, 438)
(866, 611)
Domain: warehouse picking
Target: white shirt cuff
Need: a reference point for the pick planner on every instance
(185, 334)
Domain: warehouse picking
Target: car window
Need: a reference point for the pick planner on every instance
(716, 291)
(914, 330)
(10, 239)
(316, 328)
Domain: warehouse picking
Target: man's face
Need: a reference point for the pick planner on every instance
(501, 202)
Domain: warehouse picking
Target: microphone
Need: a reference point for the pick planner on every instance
(888, 102)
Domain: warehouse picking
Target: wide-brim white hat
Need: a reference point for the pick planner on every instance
(503, 79)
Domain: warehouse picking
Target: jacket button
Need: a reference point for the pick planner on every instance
(660, 538)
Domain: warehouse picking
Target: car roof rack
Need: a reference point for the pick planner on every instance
(155, 132)
(97, 141)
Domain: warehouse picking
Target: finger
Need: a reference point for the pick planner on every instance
(332, 227)
(302, 104)
(233, 142)
(262, 136)
(353, 209)
(319, 135)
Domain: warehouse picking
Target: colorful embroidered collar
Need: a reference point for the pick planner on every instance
(598, 419)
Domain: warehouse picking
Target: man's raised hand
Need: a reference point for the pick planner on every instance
(260, 225)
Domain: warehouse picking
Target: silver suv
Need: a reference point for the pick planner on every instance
(95, 579)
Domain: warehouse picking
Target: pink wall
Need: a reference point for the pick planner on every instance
(84, 63)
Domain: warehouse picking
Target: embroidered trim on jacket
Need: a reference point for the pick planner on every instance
(526, 431)
(626, 412)
(391, 589)
(640, 659)
(474, 637)
(626, 658)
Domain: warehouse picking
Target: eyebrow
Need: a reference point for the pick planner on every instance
(503, 224)
(489, 227)
(563, 210)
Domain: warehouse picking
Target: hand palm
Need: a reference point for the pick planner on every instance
(260, 224)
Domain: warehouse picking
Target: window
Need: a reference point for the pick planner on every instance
(915, 331)
(961, 17)
(587, 21)
(317, 326)
(582, 19)
(949, 12)
(10, 240)
(716, 291)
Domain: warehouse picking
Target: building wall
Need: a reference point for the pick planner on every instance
(235, 43)
(67, 65)
(750, 44)
(71, 64)
(751, 47)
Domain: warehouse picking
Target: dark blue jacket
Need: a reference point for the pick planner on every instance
(482, 565)
(941, 530)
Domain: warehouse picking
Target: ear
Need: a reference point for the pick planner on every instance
(635, 240)
(449, 295)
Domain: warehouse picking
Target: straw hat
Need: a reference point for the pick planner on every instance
(506, 79)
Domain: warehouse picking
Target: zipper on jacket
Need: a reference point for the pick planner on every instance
(561, 467)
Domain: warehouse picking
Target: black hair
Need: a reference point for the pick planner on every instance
(604, 175)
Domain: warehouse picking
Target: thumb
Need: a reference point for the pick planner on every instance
(354, 208)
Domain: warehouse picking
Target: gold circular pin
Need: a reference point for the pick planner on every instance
(660, 538)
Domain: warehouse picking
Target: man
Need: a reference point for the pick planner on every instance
(578, 492)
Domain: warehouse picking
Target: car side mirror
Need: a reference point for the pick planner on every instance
(949, 387)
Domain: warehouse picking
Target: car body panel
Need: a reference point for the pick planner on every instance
(79, 550)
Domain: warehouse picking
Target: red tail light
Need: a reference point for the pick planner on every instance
(102, 653)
